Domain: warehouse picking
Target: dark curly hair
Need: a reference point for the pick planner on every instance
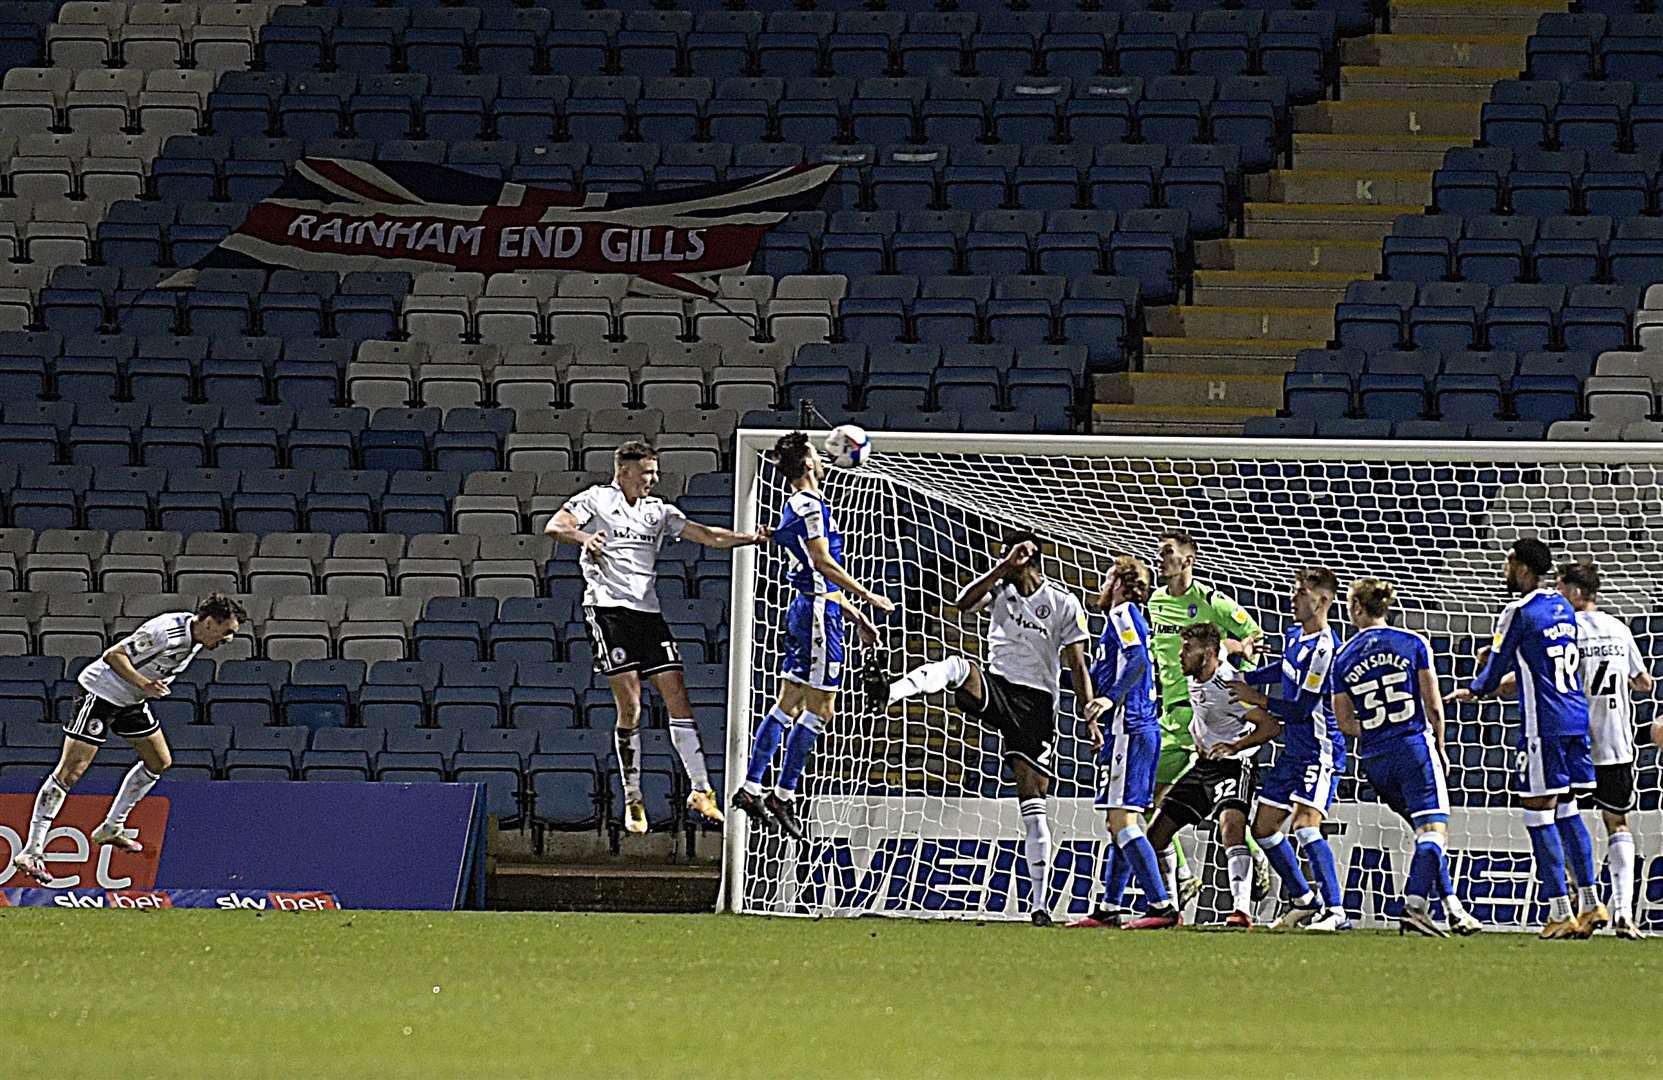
(219, 606)
(791, 455)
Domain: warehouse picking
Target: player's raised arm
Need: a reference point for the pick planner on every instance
(976, 593)
(1498, 663)
(820, 557)
(715, 536)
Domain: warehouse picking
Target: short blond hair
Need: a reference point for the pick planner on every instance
(1373, 596)
(1134, 577)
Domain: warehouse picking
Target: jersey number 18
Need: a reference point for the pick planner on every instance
(1567, 660)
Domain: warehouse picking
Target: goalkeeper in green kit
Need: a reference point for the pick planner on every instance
(1183, 601)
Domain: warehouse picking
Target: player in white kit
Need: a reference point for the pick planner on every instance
(1222, 782)
(620, 527)
(1612, 672)
(115, 693)
(1035, 624)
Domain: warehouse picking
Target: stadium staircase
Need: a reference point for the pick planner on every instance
(1406, 95)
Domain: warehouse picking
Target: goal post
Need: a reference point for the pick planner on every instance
(910, 813)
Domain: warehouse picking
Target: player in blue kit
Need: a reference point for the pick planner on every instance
(811, 669)
(1536, 641)
(1123, 680)
(1386, 698)
(1301, 783)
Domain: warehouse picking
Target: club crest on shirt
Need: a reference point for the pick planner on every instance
(1043, 611)
(1195, 609)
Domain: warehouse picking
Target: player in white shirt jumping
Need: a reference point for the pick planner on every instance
(115, 693)
(620, 527)
(1612, 672)
(1035, 625)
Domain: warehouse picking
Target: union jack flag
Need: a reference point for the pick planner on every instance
(332, 214)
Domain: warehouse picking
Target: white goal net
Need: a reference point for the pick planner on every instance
(912, 813)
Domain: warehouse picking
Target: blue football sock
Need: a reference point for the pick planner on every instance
(768, 736)
(1139, 855)
(798, 745)
(1316, 849)
(1115, 873)
(1286, 863)
(1578, 845)
(1549, 850)
(1423, 869)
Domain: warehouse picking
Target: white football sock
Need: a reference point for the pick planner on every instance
(47, 804)
(628, 741)
(1559, 908)
(1240, 865)
(1169, 868)
(1620, 855)
(134, 786)
(1036, 848)
(684, 736)
(931, 678)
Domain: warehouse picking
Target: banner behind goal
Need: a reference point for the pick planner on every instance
(910, 813)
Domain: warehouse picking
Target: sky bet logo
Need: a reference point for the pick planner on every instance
(70, 855)
(277, 901)
(122, 899)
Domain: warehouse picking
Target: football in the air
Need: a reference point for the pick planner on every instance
(848, 445)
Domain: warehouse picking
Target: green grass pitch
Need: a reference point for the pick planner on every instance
(398, 994)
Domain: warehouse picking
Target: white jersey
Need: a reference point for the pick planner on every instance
(1028, 633)
(626, 574)
(160, 649)
(1217, 719)
(1610, 657)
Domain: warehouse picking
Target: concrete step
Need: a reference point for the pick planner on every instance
(1321, 221)
(1366, 186)
(1420, 83)
(1475, 17)
(1222, 356)
(1203, 426)
(1313, 150)
(543, 887)
(1437, 50)
(1373, 117)
(1191, 391)
(1258, 323)
(1357, 258)
(1269, 288)
(1174, 419)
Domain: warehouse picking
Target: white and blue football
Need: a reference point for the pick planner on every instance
(848, 445)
